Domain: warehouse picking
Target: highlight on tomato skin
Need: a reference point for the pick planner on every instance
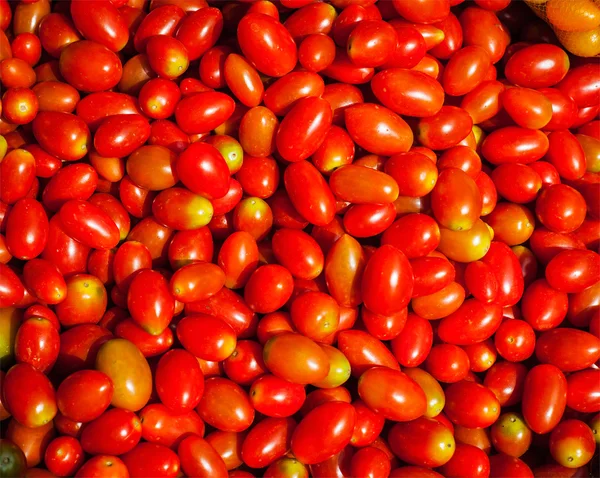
(294, 239)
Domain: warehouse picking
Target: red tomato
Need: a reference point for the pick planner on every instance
(206, 337)
(275, 397)
(316, 202)
(103, 465)
(544, 398)
(64, 456)
(447, 363)
(200, 30)
(225, 405)
(149, 459)
(445, 129)
(162, 426)
(84, 395)
(392, 394)
(29, 396)
(303, 129)
(582, 391)
(199, 458)
(371, 43)
(413, 344)
(467, 460)
(572, 444)
(203, 170)
(268, 441)
(179, 381)
(424, 442)
(514, 145)
(482, 410)
(387, 281)
(324, 431)
(573, 271)
(364, 351)
(90, 66)
(37, 344)
(377, 129)
(362, 185)
(150, 302)
(267, 44)
(120, 135)
(551, 347)
(27, 230)
(561, 208)
(203, 112)
(100, 22)
(537, 66)
(510, 435)
(580, 84)
(423, 12)
(296, 358)
(466, 69)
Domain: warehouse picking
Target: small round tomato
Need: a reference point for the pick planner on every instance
(268, 441)
(19, 105)
(510, 435)
(85, 302)
(515, 340)
(316, 52)
(447, 363)
(447, 128)
(120, 135)
(167, 56)
(64, 456)
(572, 444)
(268, 288)
(560, 208)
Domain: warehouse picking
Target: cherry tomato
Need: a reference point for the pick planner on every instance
(220, 397)
(544, 397)
(275, 397)
(572, 444)
(207, 337)
(537, 66)
(149, 459)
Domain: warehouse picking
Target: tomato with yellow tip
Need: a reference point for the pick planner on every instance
(296, 358)
(85, 302)
(433, 391)
(422, 442)
(572, 444)
(465, 246)
(230, 149)
(254, 216)
(29, 396)
(511, 435)
(181, 209)
(129, 372)
(339, 368)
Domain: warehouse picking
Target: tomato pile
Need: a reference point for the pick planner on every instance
(288, 238)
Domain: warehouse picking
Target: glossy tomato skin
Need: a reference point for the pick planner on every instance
(220, 398)
(537, 66)
(273, 52)
(544, 397)
(273, 278)
(203, 170)
(364, 351)
(414, 342)
(514, 145)
(362, 185)
(100, 22)
(162, 426)
(561, 208)
(381, 294)
(573, 271)
(207, 337)
(572, 443)
(336, 422)
(27, 229)
(79, 347)
(303, 129)
(582, 391)
(103, 73)
(483, 408)
(423, 442)
(129, 371)
(149, 459)
(150, 345)
(64, 456)
(151, 310)
(467, 460)
(384, 390)
(29, 396)
(447, 363)
(37, 343)
(76, 403)
(377, 129)
(551, 347)
(114, 432)
(510, 435)
(472, 322)
(275, 397)
(103, 465)
(89, 224)
(180, 393)
(199, 458)
(121, 135)
(203, 112)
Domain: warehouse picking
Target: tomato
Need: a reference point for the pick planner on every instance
(207, 337)
(28, 231)
(85, 302)
(364, 351)
(561, 208)
(99, 74)
(200, 30)
(392, 394)
(275, 397)
(100, 22)
(64, 456)
(259, 176)
(162, 426)
(103, 465)
(515, 340)
(544, 397)
(466, 69)
(483, 408)
(580, 85)
(371, 43)
(537, 66)
(203, 112)
(572, 444)
(510, 435)
(309, 19)
(149, 459)
(413, 344)
(423, 442)
(550, 348)
(377, 129)
(29, 396)
(513, 144)
(273, 51)
(582, 391)
(472, 322)
(178, 394)
(447, 363)
(335, 422)
(199, 458)
(17, 171)
(37, 344)
(151, 310)
(573, 271)
(445, 129)
(74, 400)
(220, 398)
(230, 308)
(204, 171)
(114, 432)
(362, 185)
(129, 371)
(316, 52)
(148, 344)
(13, 459)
